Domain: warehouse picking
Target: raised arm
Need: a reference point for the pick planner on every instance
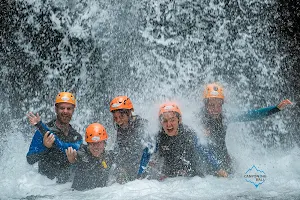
(261, 113)
(35, 120)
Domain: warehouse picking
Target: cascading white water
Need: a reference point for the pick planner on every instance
(151, 51)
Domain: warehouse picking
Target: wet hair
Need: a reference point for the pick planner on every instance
(122, 111)
(176, 113)
(56, 105)
(206, 101)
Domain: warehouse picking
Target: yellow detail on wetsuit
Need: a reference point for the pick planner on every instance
(104, 164)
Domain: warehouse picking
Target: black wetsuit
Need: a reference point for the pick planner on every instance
(179, 154)
(129, 150)
(215, 130)
(91, 172)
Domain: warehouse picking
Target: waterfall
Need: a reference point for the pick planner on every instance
(152, 51)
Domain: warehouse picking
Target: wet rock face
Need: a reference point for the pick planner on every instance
(289, 31)
(46, 41)
(289, 18)
(34, 46)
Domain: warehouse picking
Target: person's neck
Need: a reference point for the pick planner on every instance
(63, 127)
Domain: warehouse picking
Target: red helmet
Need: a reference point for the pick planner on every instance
(120, 102)
(213, 90)
(95, 133)
(168, 107)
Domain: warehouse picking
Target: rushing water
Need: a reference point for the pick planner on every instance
(150, 50)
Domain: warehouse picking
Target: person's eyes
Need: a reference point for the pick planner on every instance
(172, 119)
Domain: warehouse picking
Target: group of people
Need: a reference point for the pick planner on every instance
(59, 150)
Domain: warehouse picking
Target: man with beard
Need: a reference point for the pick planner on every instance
(130, 133)
(47, 148)
(215, 127)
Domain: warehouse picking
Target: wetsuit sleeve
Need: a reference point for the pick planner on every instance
(65, 145)
(59, 143)
(144, 161)
(255, 114)
(36, 149)
(207, 154)
(149, 153)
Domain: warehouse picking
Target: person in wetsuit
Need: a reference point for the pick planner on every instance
(93, 164)
(52, 160)
(130, 139)
(215, 124)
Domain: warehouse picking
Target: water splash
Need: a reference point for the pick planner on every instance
(149, 50)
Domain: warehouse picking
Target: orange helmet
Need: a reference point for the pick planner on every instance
(120, 102)
(65, 97)
(95, 133)
(213, 90)
(167, 107)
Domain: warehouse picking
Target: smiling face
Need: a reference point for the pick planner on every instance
(170, 123)
(214, 107)
(64, 112)
(122, 118)
(96, 148)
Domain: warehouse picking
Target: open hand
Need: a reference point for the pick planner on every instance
(283, 104)
(33, 119)
(48, 139)
(222, 173)
(71, 154)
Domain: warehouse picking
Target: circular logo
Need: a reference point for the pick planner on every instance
(65, 98)
(96, 138)
(169, 107)
(115, 105)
